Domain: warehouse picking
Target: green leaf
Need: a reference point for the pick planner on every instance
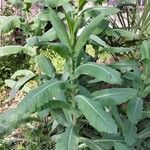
(90, 144)
(146, 73)
(18, 3)
(8, 23)
(69, 8)
(95, 114)
(21, 73)
(126, 34)
(101, 72)
(83, 38)
(59, 28)
(30, 104)
(129, 133)
(84, 91)
(102, 10)
(68, 140)
(48, 36)
(59, 116)
(145, 50)
(70, 22)
(114, 96)
(146, 91)
(98, 40)
(32, 41)
(145, 133)
(45, 65)
(81, 4)
(55, 3)
(120, 146)
(18, 85)
(125, 65)
(61, 49)
(108, 141)
(134, 77)
(56, 104)
(134, 110)
(15, 49)
(119, 50)
(78, 23)
(10, 83)
(43, 16)
(146, 114)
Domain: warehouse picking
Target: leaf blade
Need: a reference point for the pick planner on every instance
(45, 65)
(68, 140)
(90, 144)
(101, 72)
(87, 32)
(114, 96)
(97, 117)
(134, 110)
(59, 28)
(34, 100)
(15, 49)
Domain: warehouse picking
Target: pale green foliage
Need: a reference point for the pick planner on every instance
(45, 65)
(15, 49)
(68, 140)
(101, 72)
(9, 23)
(114, 95)
(98, 114)
(33, 101)
(134, 110)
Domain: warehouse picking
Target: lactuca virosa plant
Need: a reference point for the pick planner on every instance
(99, 106)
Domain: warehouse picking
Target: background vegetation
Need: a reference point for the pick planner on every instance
(78, 74)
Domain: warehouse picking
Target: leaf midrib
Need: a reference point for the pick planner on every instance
(69, 140)
(4, 25)
(105, 95)
(138, 101)
(34, 96)
(100, 67)
(96, 111)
